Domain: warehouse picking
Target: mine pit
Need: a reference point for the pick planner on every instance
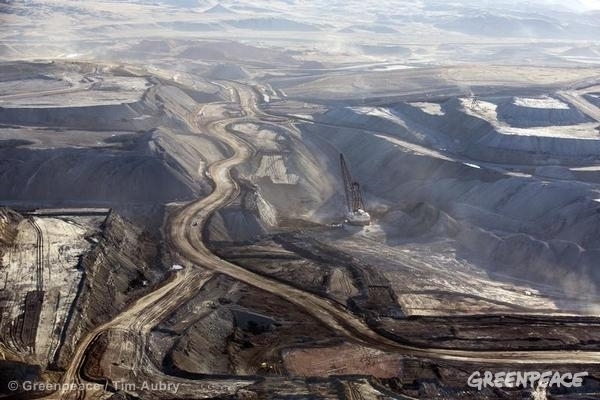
(258, 201)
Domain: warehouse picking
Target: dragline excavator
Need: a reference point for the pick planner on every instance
(356, 214)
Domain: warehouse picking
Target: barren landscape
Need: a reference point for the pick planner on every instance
(298, 200)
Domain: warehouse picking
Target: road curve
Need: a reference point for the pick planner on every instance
(146, 311)
(134, 312)
(576, 98)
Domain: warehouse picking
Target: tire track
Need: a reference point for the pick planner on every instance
(39, 255)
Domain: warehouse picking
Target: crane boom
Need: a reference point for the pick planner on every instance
(354, 200)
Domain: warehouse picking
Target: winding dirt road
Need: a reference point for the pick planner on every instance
(187, 239)
(185, 235)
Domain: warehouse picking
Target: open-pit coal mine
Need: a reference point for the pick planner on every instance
(283, 200)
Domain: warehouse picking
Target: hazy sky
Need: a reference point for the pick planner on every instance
(579, 5)
(591, 4)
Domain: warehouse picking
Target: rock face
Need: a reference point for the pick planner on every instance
(253, 201)
(245, 220)
(418, 220)
(118, 269)
(202, 347)
(9, 220)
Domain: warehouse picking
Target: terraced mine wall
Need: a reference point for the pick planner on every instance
(103, 117)
(527, 117)
(472, 136)
(479, 139)
(119, 177)
(524, 226)
(123, 265)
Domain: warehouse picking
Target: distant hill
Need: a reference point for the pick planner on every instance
(486, 24)
(5, 50)
(592, 51)
(245, 8)
(226, 50)
(385, 50)
(369, 28)
(182, 3)
(186, 26)
(227, 71)
(272, 24)
(492, 24)
(219, 9)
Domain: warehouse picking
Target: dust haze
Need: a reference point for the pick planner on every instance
(277, 199)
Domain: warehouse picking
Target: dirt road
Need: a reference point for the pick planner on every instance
(575, 97)
(187, 239)
(185, 234)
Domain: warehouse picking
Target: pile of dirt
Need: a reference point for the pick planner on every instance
(483, 23)
(562, 264)
(290, 173)
(590, 51)
(419, 220)
(93, 177)
(520, 114)
(200, 348)
(193, 339)
(143, 163)
(228, 72)
(127, 169)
